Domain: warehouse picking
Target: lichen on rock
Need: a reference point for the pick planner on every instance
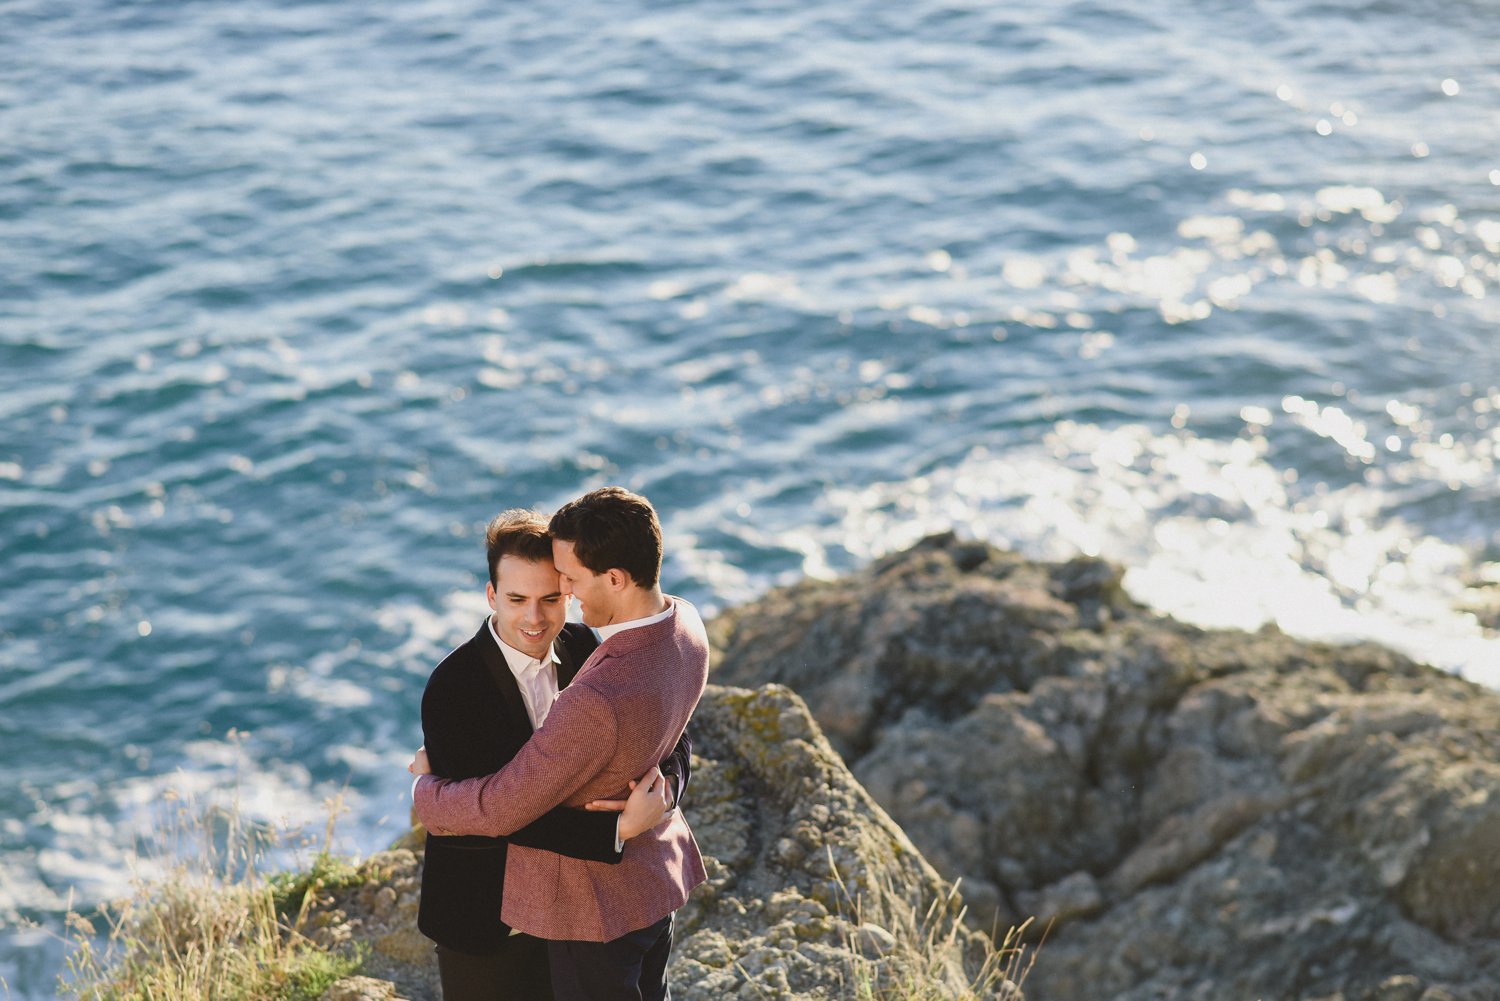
(805, 869)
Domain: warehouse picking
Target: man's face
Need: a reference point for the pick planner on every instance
(595, 597)
(530, 607)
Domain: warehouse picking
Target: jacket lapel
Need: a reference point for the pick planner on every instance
(573, 646)
(505, 682)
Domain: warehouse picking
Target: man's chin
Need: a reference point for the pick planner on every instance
(535, 648)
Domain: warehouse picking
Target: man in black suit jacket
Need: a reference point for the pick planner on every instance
(480, 706)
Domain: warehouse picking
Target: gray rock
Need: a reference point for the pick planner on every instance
(1482, 600)
(813, 891)
(1075, 896)
(378, 912)
(1200, 813)
(361, 989)
(812, 888)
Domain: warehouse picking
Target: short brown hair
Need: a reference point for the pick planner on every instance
(517, 532)
(612, 528)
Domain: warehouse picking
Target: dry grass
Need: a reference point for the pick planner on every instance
(924, 954)
(210, 924)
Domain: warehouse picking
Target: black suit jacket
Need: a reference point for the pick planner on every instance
(473, 722)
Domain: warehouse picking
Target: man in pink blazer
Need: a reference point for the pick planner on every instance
(609, 927)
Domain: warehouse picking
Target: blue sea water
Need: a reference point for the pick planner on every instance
(295, 295)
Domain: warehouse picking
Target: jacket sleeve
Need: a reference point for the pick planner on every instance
(679, 765)
(580, 834)
(591, 835)
(575, 744)
(450, 718)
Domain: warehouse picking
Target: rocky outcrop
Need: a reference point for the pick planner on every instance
(813, 892)
(1197, 814)
(375, 912)
(1481, 597)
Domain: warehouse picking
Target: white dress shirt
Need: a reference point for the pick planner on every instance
(537, 679)
(605, 632)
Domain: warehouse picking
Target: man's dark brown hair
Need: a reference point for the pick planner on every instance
(517, 532)
(612, 528)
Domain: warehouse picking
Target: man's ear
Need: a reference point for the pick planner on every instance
(489, 594)
(619, 580)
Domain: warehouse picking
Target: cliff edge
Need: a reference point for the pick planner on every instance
(813, 891)
(1196, 813)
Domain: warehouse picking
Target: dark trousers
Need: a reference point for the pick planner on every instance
(518, 972)
(632, 967)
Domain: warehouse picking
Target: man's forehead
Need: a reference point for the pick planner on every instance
(519, 575)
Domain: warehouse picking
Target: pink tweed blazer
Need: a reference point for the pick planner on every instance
(623, 713)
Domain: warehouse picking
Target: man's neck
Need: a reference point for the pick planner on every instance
(641, 604)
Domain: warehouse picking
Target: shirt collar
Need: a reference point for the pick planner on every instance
(518, 662)
(605, 632)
